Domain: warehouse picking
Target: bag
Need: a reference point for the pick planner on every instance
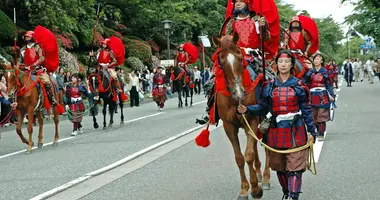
(141, 96)
(265, 124)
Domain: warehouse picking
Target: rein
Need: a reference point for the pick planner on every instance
(23, 90)
(310, 145)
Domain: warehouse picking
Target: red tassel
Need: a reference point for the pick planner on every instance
(203, 139)
(46, 100)
(123, 97)
(114, 99)
(60, 109)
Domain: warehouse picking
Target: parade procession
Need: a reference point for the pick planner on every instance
(198, 100)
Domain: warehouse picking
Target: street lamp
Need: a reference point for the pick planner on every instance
(167, 26)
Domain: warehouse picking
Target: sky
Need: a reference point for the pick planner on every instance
(324, 8)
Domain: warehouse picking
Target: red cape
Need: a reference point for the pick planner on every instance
(117, 46)
(48, 42)
(192, 51)
(311, 28)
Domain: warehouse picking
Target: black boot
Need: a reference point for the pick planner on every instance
(50, 95)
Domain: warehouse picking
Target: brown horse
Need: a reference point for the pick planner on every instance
(231, 61)
(22, 88)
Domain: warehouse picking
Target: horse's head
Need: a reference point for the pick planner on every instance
(93, 80)
(10, 74)
(231, 60)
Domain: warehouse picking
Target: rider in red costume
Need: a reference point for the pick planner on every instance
(181, 57)
(32, 58)
(248, 28)
(298, 42)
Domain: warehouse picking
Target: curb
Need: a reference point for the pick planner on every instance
(112, 166)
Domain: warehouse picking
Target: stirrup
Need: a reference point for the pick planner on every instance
(203, 121)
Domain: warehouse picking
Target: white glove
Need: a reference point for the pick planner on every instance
(96, 98)
(67, 107)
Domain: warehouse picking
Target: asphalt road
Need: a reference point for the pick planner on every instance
(25, 176)
(347, 165)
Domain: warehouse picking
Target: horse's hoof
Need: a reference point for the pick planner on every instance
(258, 195)
(28, 151)
(96, 126)
(259, 178)
(186, 105)
(55, 144)
(122, 123)
(266, 186)
(40, 145)
(109, 125)
(242, 197)
(104, 128)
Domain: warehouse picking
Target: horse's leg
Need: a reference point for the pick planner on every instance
(30, 130)
(257, 161)
(56, 123)
(266, 180)
(250, 154)
(104, 113)
(232, 134)
(121, 113)
(95, 124)
(40, 119)
(179, 98)
(111, 109)
(191, 96)
(20, 119)
(186, 95)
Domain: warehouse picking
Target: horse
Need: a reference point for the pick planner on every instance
(231, 63)
(101, 87)
(22, 88)
(181, 81)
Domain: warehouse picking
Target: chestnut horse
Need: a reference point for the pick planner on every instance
(231, 62)
(22, 88)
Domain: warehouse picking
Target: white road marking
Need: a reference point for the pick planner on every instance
(144, 117)
(111, 166)
(199, 102)
(69, 138)
(22, 151)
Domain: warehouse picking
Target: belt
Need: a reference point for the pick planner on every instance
(317, 89)
(289, 116)
(76, 99)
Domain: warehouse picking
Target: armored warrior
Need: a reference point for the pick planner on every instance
(333, 73)
(182, 57)
(159, 92)
(248, 29)
(32, 58)
(287, 101)
(107, 61)
(322, 94)
(74, 103)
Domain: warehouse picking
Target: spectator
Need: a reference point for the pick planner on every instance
(197, 80)
(134, 87)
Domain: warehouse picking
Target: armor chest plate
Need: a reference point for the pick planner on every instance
(297, 41)
(181, 57)
(284, 101)
(159, 80)
(248, 37)
(30, 56)
(317, 80)
(104, 57)
(74, 92)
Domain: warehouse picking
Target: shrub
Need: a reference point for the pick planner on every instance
(134, 63)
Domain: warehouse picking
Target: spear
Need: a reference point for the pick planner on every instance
(15, 38)
(262, 30)
(93, 36)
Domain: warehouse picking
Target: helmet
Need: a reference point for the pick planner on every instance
(245, 1)
(106, 41)
(181, 46)
(295, 18)
(29, 34)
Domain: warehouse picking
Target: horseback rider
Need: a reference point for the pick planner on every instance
(74, 103)
(182, 57)
(106, 60)
(247, 27)
(159, 92)
(32, 59)
(297, 41)
(322, 94)
(287, 101)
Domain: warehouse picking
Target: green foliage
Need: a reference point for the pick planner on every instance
(134, 63)
(6, 28)
(329, 35)
(138, 49)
